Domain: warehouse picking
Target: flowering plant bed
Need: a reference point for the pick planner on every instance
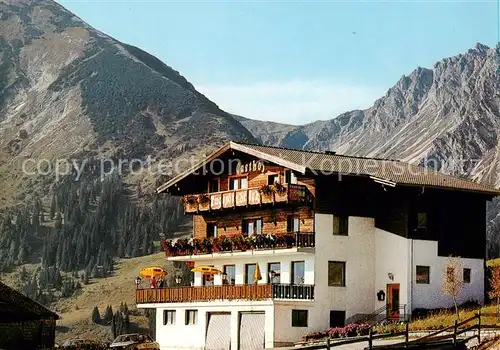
(351, 330)
(240, 242)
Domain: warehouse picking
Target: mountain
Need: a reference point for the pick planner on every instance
(68, 90)
(75, 105)
(447, 117)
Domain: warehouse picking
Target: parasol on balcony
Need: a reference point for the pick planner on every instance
(149, 272)
(206, 270)
(256, 274)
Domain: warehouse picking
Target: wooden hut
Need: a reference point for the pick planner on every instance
(24, 323)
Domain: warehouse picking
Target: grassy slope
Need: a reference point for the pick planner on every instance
(75, 312)
(444, 319)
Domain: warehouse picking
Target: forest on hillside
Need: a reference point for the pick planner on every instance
(77, 231)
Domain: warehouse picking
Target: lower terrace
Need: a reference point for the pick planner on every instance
(225, 292)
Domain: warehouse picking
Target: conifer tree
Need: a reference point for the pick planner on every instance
(96, 317)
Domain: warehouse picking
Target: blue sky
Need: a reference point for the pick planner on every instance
(291, 61)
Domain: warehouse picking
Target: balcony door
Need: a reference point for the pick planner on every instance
(249, 273)
(214, 185)
(238, 183)
(211, 229)
(252, 227)
(274, 272)
(298, 272)
(230, 272)
(290, 177)
(292, 223)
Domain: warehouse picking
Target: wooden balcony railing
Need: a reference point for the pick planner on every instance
(244, 197)
(224, 292)
(238, 243)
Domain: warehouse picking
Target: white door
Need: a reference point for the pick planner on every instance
(252, 330)
(218, 331)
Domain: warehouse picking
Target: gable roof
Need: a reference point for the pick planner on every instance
(386, 171)
(15, 306)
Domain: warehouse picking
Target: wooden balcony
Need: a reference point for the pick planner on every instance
(224, 292)
(303, 241)
(244, 198)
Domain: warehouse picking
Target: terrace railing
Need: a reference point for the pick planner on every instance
(291, 291)
(224, 292)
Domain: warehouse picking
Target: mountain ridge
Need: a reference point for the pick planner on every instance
(446, 118)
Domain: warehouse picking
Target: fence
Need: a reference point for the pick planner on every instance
(451, 339)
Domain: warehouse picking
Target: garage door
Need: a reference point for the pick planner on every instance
(218, 331)
(251, 330)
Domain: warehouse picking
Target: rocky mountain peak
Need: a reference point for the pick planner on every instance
(67, 89)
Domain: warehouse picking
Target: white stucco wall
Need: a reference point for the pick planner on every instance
(392, 255)
(370, 255)
(181, 336)
(429, 296)
(283, 330)
(357, 249)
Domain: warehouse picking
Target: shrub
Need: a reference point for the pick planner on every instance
(391, 327)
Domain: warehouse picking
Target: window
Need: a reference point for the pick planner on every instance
(466, 275)
(336, 274)
(337, 318)
(423, 274)
(252, 226)
(191, 317)
(422, 221)
(292, 223)
(271, 179)
(249, 272)
(211, 229)
(230, 272)
(237, 183)
(168, 317)
(340, 225)
(299, 318)
(297, 272)
(290, 177)
(274, 277)
(214, 185)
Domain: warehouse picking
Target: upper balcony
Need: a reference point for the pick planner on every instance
(241, 245)
(241, 198)
(225, 292)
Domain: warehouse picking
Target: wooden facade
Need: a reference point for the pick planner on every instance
(274, 221)
(227, 207)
